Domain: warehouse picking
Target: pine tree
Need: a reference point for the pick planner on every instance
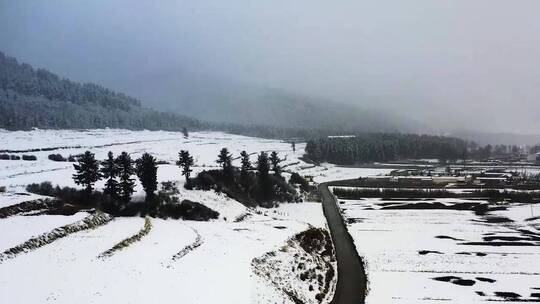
(185, 162)
(147, 173)
(293, 144)
(225, 160)
(126, 171)
(275, 160)
(246, 162)
(87, 171)
(263, 167)
(264, 182)
(246, 165)
(109, 170)
(185, 132)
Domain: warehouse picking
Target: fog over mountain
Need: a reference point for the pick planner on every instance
(430, 66)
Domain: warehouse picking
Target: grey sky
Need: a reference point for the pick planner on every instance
(461, 64)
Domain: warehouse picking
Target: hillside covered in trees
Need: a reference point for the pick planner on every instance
(384, 147)
(38, 98)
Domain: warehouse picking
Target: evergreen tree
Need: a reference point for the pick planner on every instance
(87, 171)
(185, 132)
(264, 182)
(225, 161)
(110, 171)
(293, 144)
(126, 171)
(246, 165)
(147, 173)
(263, 167)
(185, 162)
(275, 160)
(246, 162)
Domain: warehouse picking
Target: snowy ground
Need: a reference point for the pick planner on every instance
(406, 249)
(180, 261)
(211, 262)
(69, 270)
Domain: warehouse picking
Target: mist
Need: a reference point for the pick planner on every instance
(448, 65)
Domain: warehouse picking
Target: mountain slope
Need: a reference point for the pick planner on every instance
(38, 98)
(221, 101)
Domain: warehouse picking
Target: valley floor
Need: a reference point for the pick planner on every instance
(411, 256)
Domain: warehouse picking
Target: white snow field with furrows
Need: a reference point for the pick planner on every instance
(404, 250)
(177, 261)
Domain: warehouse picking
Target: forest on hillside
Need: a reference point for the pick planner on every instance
(37, 98)
(385, 147)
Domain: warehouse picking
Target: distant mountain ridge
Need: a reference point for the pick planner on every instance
(280, 108)
(38, 98)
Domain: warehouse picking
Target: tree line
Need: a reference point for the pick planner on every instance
(37, 98)
(118, 172)
(26, 80)
(260, 183)
(371, 147)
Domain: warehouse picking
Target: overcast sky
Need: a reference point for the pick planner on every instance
(465, 64)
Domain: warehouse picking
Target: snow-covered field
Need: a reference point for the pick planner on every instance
(405, 250)
(212, 262)
(177, 261)
(204, 146)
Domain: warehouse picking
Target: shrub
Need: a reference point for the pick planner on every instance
(163, 205)
(4, 156)
(206, 180)
(70, 195)
(29, 157)
(298, 179)
(169, 187)
(188, 210)
(57, 157)
(253, 191)
(2, 189)
(14, 157)
(315, 240)
(45, 188)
